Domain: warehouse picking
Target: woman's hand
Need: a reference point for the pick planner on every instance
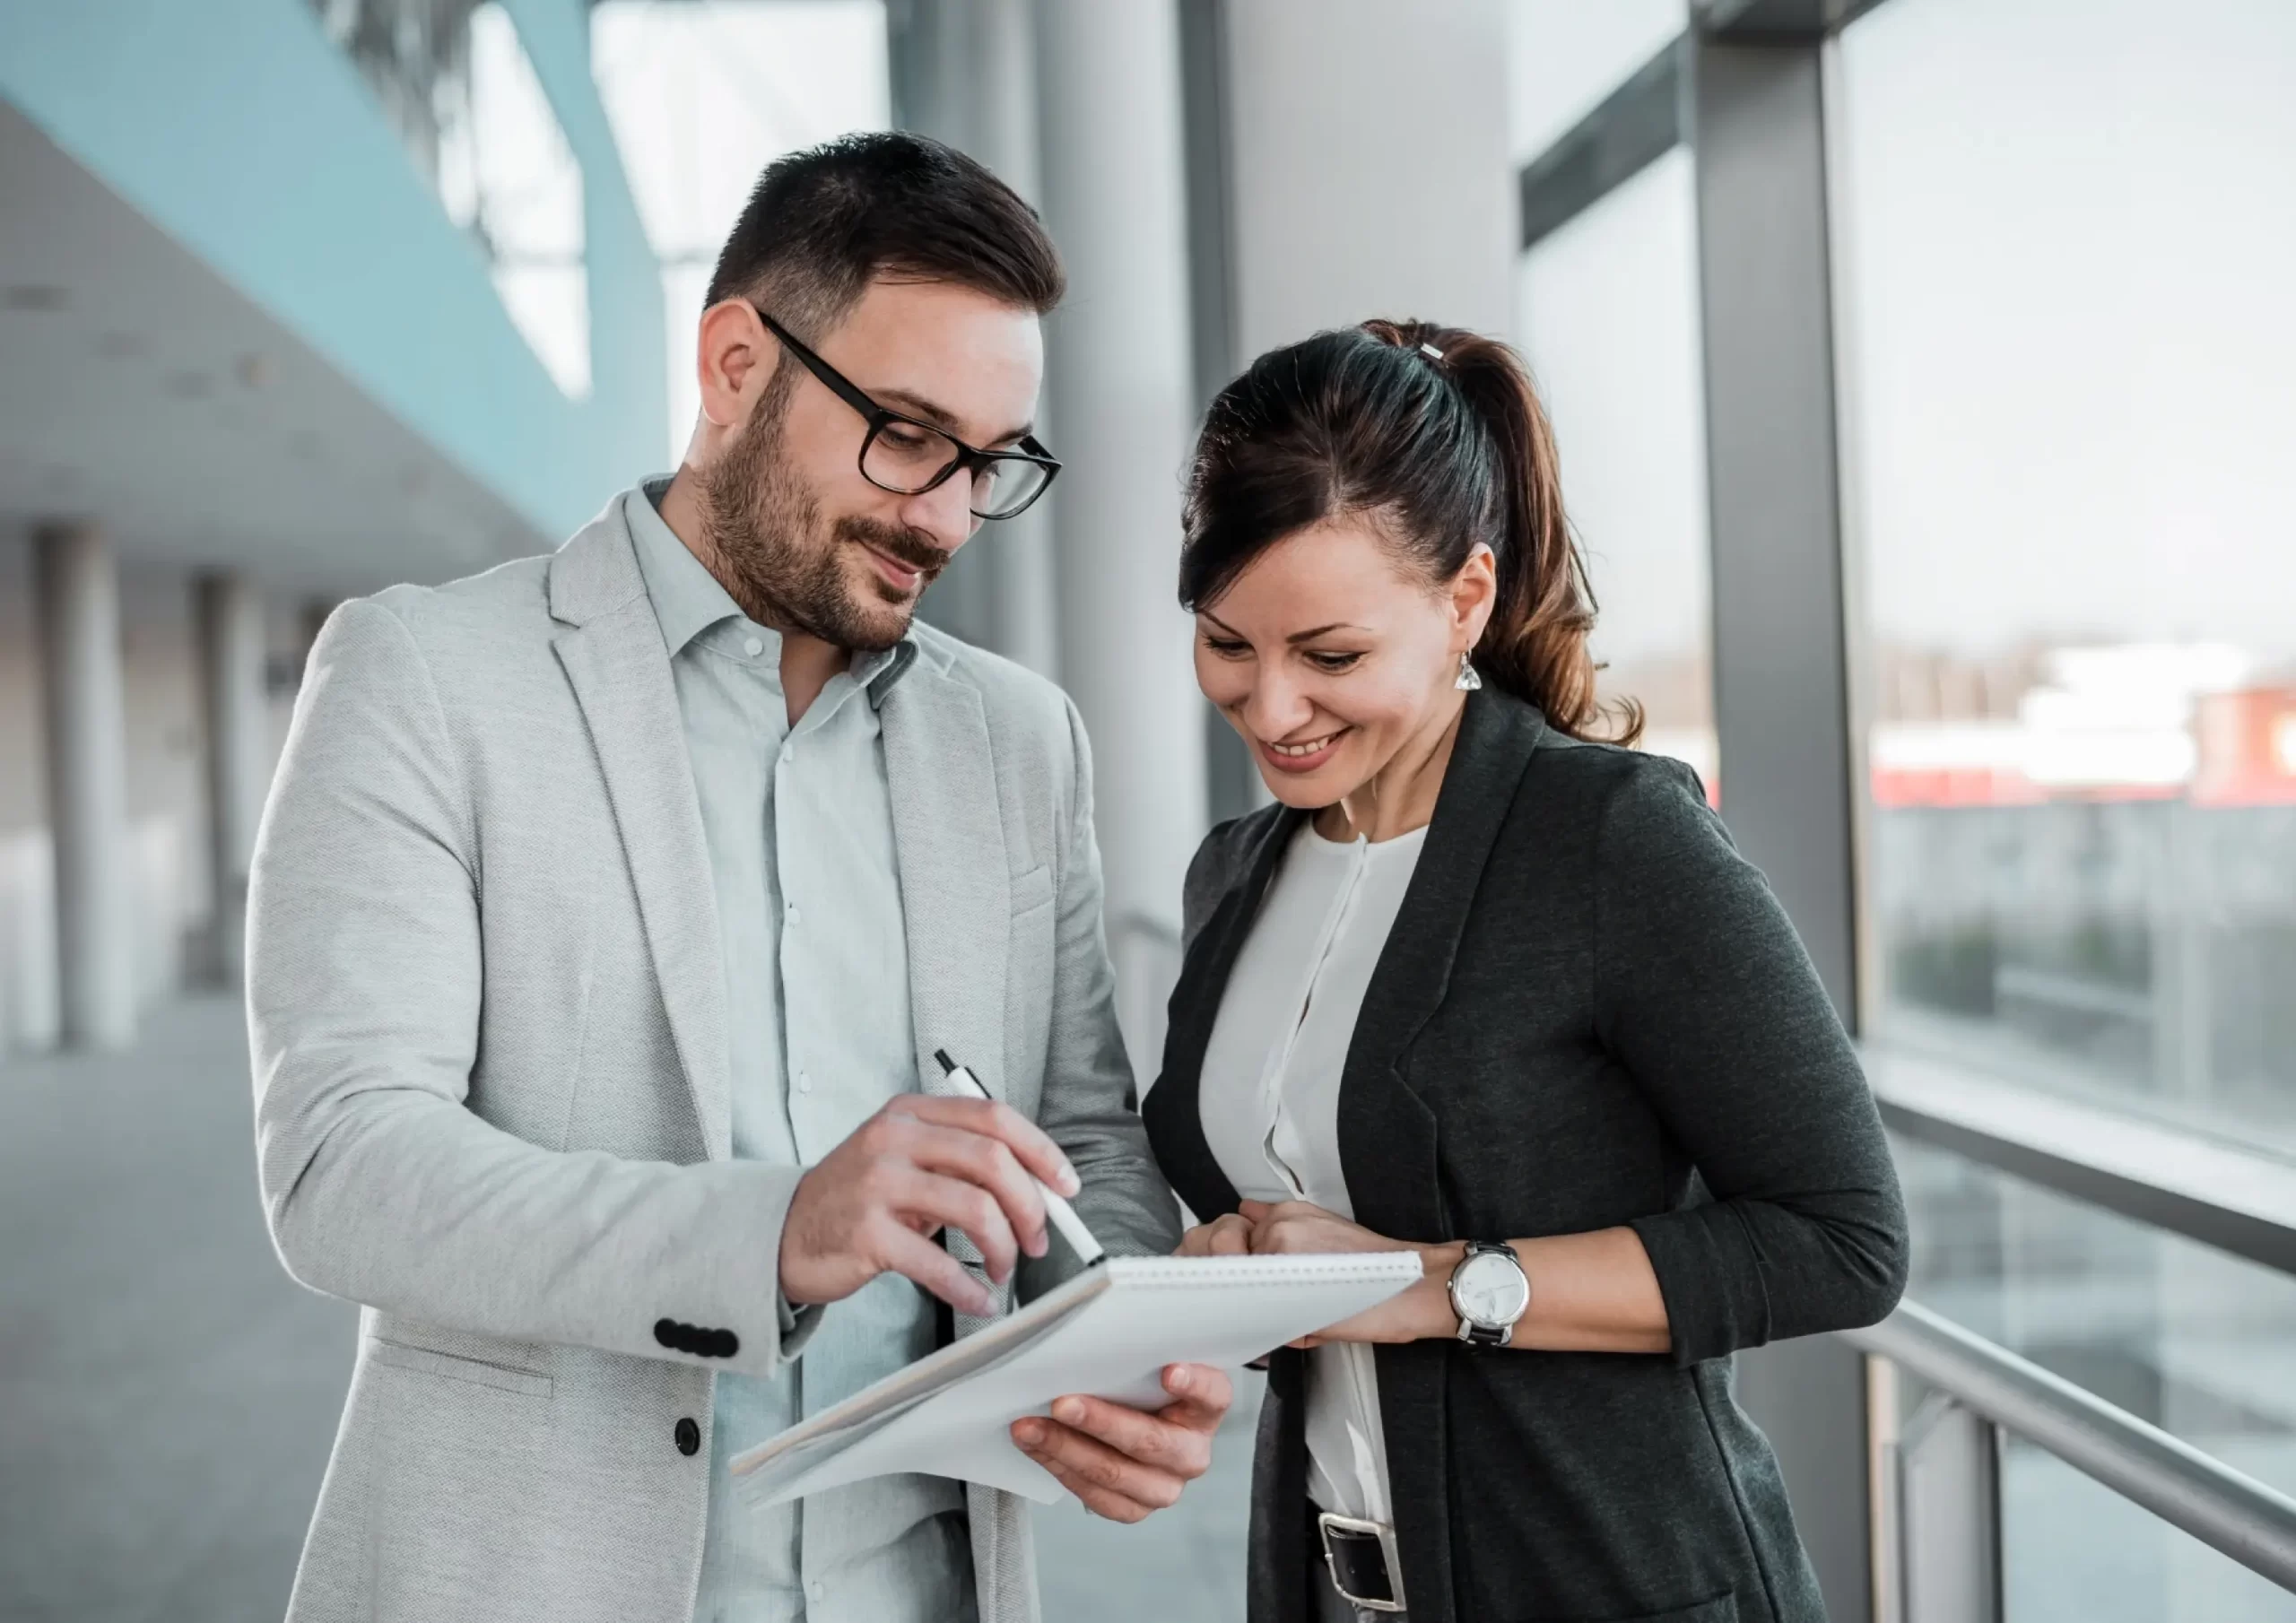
(1297, 1228)
(1226, 1235)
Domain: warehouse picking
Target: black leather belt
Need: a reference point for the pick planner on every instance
(1362, 1558)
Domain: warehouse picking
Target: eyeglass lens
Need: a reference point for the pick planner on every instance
(907, 457)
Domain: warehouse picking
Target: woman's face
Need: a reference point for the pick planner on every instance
(1329, 654)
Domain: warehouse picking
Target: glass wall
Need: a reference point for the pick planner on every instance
(455, 80)
(2070, 240)
(1609, 320)
(1567, 55)
(701, 98)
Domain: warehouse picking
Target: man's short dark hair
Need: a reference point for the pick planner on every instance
(823, 223)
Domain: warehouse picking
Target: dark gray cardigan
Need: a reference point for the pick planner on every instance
(1590, 1012)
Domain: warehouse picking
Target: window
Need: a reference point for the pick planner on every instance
(2071, 246)
(701, 98)
(1567, 55)
(1609, 320)
(457, 83)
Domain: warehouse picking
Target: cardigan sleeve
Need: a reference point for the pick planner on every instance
(1706, 996)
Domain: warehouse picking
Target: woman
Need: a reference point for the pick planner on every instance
(1481, 986)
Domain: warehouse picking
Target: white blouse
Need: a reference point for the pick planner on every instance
(1269, 1101)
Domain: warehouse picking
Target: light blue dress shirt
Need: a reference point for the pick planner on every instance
(798, 822)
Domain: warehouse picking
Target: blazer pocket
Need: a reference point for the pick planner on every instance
(422, 1360)
(1721, 1609)
(1032, 890)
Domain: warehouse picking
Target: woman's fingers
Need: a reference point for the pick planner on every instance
(1227, 1235)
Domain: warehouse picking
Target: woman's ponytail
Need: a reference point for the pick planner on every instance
(1535, 645)
(1439, 433)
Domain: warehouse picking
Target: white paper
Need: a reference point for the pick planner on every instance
(1109, 1332)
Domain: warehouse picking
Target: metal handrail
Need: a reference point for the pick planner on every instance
(2254, 1524)
(2204, 1188)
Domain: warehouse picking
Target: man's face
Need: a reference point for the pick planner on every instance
(787, 511)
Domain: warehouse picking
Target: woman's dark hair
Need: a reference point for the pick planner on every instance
(1439, 451)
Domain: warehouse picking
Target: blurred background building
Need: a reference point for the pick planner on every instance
(1925, 373)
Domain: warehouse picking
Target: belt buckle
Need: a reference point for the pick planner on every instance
(1329, 1523)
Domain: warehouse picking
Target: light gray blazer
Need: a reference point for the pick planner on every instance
(489, 1031)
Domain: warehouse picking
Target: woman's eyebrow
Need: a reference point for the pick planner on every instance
(1313, 632)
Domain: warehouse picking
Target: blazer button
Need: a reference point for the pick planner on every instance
(688, 1437)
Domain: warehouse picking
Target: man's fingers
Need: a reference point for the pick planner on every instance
(1230, 1237)
(1166, 1446)
(917, 1259)
(1086, 1463)
(992, 1119)
(947, 1202)
(1204, 1394)
(992, 1165)
(1101, 1501)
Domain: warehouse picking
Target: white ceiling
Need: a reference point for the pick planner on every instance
(139, 389)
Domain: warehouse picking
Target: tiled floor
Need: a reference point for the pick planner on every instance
(167, 1396)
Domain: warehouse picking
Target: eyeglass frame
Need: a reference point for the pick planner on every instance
(968, 459)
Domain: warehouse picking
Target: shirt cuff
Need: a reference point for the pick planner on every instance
(798, 1323)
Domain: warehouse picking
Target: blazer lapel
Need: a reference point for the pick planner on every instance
(1386, 1132)
(1172, 1109)
(955, 892)
(613, 657)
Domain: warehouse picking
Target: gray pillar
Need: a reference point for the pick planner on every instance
(87, 784)
(964, 72)
(1023, 605)
(1370, 170)
(1781, 674)
(1119, 367)
(230, 657)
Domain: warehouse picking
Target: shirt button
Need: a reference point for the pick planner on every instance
(792, 913)
(687, 1436)
(751, 646)
(805, 1082)
(818, 1590)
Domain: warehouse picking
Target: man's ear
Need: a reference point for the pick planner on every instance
(735, 356)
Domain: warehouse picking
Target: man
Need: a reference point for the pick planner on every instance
(608, 911)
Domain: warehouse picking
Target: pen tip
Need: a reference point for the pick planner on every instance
(947, 1064)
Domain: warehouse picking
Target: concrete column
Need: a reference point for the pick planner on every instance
(1119, 364)
(78, 599)
(1369, 168)
(230, 658)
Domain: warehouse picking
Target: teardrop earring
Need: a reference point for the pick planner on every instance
(1470, 678)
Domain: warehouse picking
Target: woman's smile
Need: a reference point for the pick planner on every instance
(1304, 756)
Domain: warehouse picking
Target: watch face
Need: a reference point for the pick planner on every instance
(1490, 1291)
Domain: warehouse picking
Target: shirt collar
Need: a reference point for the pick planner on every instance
(688, 599)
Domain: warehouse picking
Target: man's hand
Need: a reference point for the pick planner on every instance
(918, 1165)
(1122, 1464)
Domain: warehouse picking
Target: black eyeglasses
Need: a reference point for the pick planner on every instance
(908, 457)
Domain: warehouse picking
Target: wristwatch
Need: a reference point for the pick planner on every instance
(1490, 1293)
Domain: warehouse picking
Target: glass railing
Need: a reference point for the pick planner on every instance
(2006, 1494)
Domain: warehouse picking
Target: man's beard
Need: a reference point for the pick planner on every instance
(764, 525)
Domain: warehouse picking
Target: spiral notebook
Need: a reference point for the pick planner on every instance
(1109, 1332)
